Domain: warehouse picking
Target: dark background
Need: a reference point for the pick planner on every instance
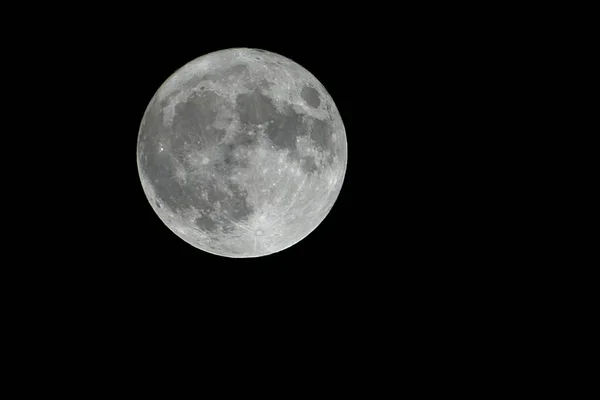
(430, 269)
(416, 260)
(413, 88)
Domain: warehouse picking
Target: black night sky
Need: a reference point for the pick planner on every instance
(402, 92)
(413, 257)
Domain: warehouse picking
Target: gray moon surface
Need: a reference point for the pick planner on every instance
(242, 153)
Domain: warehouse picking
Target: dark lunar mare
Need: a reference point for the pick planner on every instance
(192, 130)
(192, 123)
(283, 129)
(254, 108)
(321, 132)
(311, 96)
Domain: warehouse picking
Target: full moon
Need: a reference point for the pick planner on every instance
(242, 153)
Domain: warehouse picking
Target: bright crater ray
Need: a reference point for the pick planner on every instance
(242, 153)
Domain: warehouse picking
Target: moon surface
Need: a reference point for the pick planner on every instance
(242, 153)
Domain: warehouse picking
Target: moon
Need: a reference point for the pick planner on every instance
(242, 153)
